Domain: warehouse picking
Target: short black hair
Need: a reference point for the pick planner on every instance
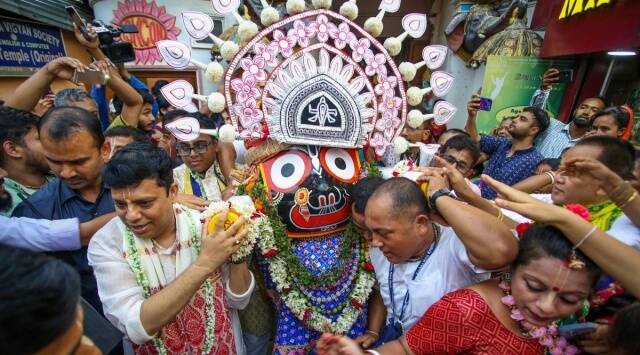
(541, 116)
(405, 195)
(174, 115)
(362, 190)
(599, 97)
(541, 240)
(624, 332)
(126, 131)
(456, 131)
(618, 113)
(204, 121)
(62, 122)
(66, 96)
(40, 296)
(615, 154)
(155, 89)
(147, 98)
(136, 162)
(14, 125)
(462, 142)
(554, 163)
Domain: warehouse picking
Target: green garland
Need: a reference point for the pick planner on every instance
(372, 169)
(141, 277)
(297, 268)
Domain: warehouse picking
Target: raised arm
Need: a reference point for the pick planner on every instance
(534, 183)
(472, 109)
(131, 100)
(489, 243)
(28, 93)
(613, 256)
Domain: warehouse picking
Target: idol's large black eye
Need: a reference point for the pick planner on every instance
(287, 171)
(341, 163)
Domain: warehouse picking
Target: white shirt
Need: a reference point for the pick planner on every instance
(40, 234)
(120, 294)
(447, 269)
(622, 228)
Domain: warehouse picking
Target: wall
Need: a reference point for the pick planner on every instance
(103, 10)
(73, 49)
(468, 80)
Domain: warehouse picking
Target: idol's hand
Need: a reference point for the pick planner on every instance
(217, 247)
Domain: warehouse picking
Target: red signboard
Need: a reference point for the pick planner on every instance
(596, 29)
(153, 23)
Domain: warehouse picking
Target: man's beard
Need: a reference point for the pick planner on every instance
(5, 201)
(37, 166)
(581, 121)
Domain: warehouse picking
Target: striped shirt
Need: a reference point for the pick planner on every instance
(555, 139)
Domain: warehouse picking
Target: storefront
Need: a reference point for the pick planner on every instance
(603, 38)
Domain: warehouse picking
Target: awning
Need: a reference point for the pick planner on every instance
(598, 29)
(49, 12)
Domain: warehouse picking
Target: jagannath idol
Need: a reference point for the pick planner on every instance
(309, 93)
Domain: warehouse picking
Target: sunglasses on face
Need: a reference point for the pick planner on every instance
(197, 147)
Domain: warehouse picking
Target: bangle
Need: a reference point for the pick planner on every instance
(586, 236)
(550, 175)
(371, 332)
(621, 193)
(500, 214)
(631, 198)
(374, 352)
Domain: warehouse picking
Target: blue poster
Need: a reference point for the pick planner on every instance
(26, 46)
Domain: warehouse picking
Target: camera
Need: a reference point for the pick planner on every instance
(116, 50)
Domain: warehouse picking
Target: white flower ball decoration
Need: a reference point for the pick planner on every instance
(349, 10)
(228, 50)
(214, 72)
(414, 96)
(407, 71)
(374, 26)
(226, 133)
(216, 102)
(400, 145)
(295, 6)
(269, 15)
(393, 45)
(246, 30)
(415, 118)
(321, 4)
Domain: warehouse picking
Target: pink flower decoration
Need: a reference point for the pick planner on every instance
(504, 285)
(245, 88)
(556, 351)
(267, 52)
(254, 67)
(341, 35)
(546, 341)
(375, 64)
(508, 300)
(570, 350)
(379, 143)
(359, 48)
(561, 342)
(386, 84)
(552, 329)
(253, 131)
(248, 112)
(538, 332)
(301, 33)
(516, 314)
(321, 27)
(284, 43)
(580, 210)
(388, 124)
(390, 104)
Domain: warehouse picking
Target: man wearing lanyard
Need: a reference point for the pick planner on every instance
(416, 260)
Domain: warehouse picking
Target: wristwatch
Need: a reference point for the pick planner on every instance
(436, 195)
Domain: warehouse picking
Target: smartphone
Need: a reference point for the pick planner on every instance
(565, 76)
(89, 77)
(485, 104)
(79, 21)
(577, 329)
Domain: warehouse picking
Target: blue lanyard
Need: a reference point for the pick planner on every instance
(423, 260)
(195, 186)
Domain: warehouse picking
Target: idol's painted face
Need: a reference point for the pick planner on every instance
(307, 185)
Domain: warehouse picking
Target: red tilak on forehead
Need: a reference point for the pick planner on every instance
(555, 289)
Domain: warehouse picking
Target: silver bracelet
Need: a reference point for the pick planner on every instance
(374, 352)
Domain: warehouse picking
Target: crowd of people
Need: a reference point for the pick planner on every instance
(521, 241)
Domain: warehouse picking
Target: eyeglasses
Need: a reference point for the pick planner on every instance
(197, 147)
(461, 166)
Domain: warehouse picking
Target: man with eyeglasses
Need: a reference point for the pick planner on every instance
(200, 175)
(462, 152)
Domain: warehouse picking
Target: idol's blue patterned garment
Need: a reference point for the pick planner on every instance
(509, 170)
(319, 255)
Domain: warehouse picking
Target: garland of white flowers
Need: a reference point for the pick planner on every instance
(295, 300)
(141, 277)
(245, 210)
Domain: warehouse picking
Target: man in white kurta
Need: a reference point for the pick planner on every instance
(162, 281)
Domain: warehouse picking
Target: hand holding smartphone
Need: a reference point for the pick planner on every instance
(485, 104)
(79, 22)
(571, 331)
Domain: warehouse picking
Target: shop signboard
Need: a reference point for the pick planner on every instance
(27, 46)
(511, 82)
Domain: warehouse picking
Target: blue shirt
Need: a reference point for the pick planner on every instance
(508, 170)
(100, 95)
(40, 235)
(55, 201)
